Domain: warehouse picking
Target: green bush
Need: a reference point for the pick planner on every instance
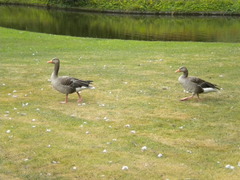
(68, 2)
(144, 5)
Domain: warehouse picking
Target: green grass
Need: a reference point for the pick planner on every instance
(136, 85)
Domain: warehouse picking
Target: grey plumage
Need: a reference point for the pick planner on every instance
(66, 84)
(194, 85)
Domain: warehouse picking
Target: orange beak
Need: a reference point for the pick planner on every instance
(177, 70)
(50, 61)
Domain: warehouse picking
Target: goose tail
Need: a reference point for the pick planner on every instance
(91, 87)
(208, 90)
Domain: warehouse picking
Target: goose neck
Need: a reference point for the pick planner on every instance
(185, 73)
(56, 69)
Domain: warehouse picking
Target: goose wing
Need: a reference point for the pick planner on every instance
(202, 83)
(66, 81)
(73, 82)
(196, 80)
(80, 83)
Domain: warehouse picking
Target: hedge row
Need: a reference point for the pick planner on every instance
(185, 6)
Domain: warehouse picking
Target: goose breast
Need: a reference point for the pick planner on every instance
(63, 84)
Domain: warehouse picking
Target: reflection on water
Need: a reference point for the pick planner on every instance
(164, 28)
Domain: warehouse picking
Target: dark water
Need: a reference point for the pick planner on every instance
(151, 28)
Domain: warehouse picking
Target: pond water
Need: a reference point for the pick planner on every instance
(115, 26)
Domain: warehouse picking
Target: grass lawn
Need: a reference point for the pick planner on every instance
(135, 104)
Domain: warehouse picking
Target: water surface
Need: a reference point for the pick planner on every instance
(137, 27)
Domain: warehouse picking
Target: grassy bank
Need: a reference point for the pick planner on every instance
(135, 104)
(172, 6)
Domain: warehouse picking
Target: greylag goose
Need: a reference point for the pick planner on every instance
(194, 85)
(67, 85)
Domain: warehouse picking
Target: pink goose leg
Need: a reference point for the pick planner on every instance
(79, 98)
(66, 100)
(187, 98)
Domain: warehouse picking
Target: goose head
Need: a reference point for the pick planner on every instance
(182, 69)
(54, 61)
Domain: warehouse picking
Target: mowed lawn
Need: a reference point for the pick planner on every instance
(132, 126)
